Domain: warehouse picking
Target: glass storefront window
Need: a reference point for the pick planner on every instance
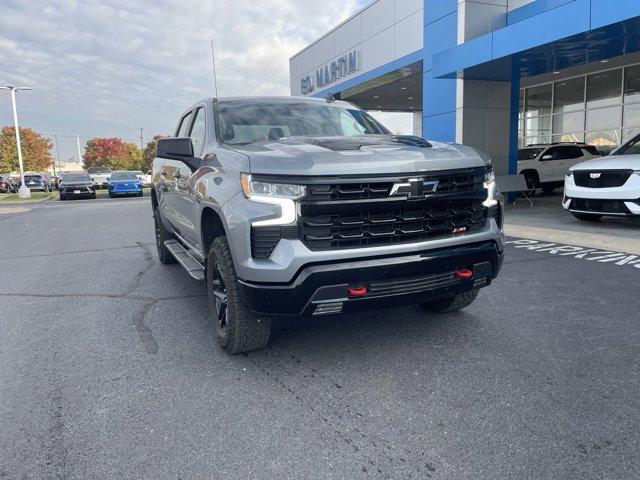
(606, 141)
(538, 101)
(629, 133)
(568, 95)
(604, 89)
(632, 115)
(537, 126)
(632, 84)
(569, 122)
(569, 137)
(604, 118)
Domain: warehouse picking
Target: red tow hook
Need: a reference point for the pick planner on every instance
(359, 291)
(464, 274)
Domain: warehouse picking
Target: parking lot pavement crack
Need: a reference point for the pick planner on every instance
(144, 332)
(74, 252)
(342, 423)
(149, 263)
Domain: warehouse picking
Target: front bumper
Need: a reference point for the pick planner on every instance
(390, 280)
(603, 200)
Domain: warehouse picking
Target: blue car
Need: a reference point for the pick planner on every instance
(124, 183)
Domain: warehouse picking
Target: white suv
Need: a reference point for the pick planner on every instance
(544, 166)
(605, 186)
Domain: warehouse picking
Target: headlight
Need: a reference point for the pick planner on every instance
(490, 185)
(281, 194)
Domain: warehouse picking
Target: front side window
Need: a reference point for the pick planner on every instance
(183, 130)
(244, 122)
(529, 153)
(198, 132)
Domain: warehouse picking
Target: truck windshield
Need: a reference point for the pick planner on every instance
(242, 122)
(632, 147)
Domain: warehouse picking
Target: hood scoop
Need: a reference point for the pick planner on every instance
(338, 144)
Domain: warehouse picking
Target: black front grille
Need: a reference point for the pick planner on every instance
(403, 222)
(599, 206)
(605, 179)
(453, 181)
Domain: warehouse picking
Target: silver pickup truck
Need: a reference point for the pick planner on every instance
(300, 206)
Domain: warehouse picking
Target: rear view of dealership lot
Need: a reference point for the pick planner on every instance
(114, 359)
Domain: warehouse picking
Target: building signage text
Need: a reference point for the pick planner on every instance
(341, 67)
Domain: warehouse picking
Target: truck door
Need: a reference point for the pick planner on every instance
(186, 201)
(549, 164)
(571, 155)
(171, 180)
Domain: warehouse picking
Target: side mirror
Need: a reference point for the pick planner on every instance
(547, 157)
(177, 149)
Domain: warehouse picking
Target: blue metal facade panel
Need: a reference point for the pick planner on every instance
(606, 12)
(532, 9)
(439, 95)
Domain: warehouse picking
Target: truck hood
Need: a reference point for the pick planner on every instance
(611, 162)
(365, 155)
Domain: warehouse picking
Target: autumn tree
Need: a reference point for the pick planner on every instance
(149, 153)
(36, 150)
(113, 153)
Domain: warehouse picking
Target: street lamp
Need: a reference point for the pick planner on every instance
(24, 191)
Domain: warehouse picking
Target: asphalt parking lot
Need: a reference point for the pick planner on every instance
(108, 369)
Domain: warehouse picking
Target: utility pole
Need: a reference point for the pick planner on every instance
(141, 140)
(57, 155)
(24, 191)
(79, 154)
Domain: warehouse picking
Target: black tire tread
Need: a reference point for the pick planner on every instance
(452, 303)
(246, 330)
(164, 255)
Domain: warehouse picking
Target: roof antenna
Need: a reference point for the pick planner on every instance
(330, 98)
(213, 63)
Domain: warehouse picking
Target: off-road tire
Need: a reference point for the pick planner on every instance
(587, 217)
(452, 303)
(244, 329)
(548, 189)
(164, 255)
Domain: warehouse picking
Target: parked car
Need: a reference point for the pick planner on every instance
(50, 180)
(608, 186)
(37, 182)
(76, 185)
(124, 183)
(301, 206)
(100, 176)
(544, 166)
(142, 177)
(6, 185)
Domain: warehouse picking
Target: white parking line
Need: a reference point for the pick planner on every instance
(584, 253)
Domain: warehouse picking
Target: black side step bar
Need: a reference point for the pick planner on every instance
(184, 258)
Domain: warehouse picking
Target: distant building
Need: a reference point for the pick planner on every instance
(494, 74)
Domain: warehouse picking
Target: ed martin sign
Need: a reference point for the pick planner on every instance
(341, 67)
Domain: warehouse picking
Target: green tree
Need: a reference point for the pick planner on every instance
(36, 150)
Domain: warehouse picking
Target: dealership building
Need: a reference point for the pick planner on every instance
(494, 74)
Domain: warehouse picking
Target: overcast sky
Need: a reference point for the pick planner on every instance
(109, 67)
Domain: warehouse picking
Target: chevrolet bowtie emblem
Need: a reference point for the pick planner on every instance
(414, 188)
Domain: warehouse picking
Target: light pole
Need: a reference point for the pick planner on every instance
(24, 191)
(80, 159)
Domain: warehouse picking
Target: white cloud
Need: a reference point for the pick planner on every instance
(109, 67)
